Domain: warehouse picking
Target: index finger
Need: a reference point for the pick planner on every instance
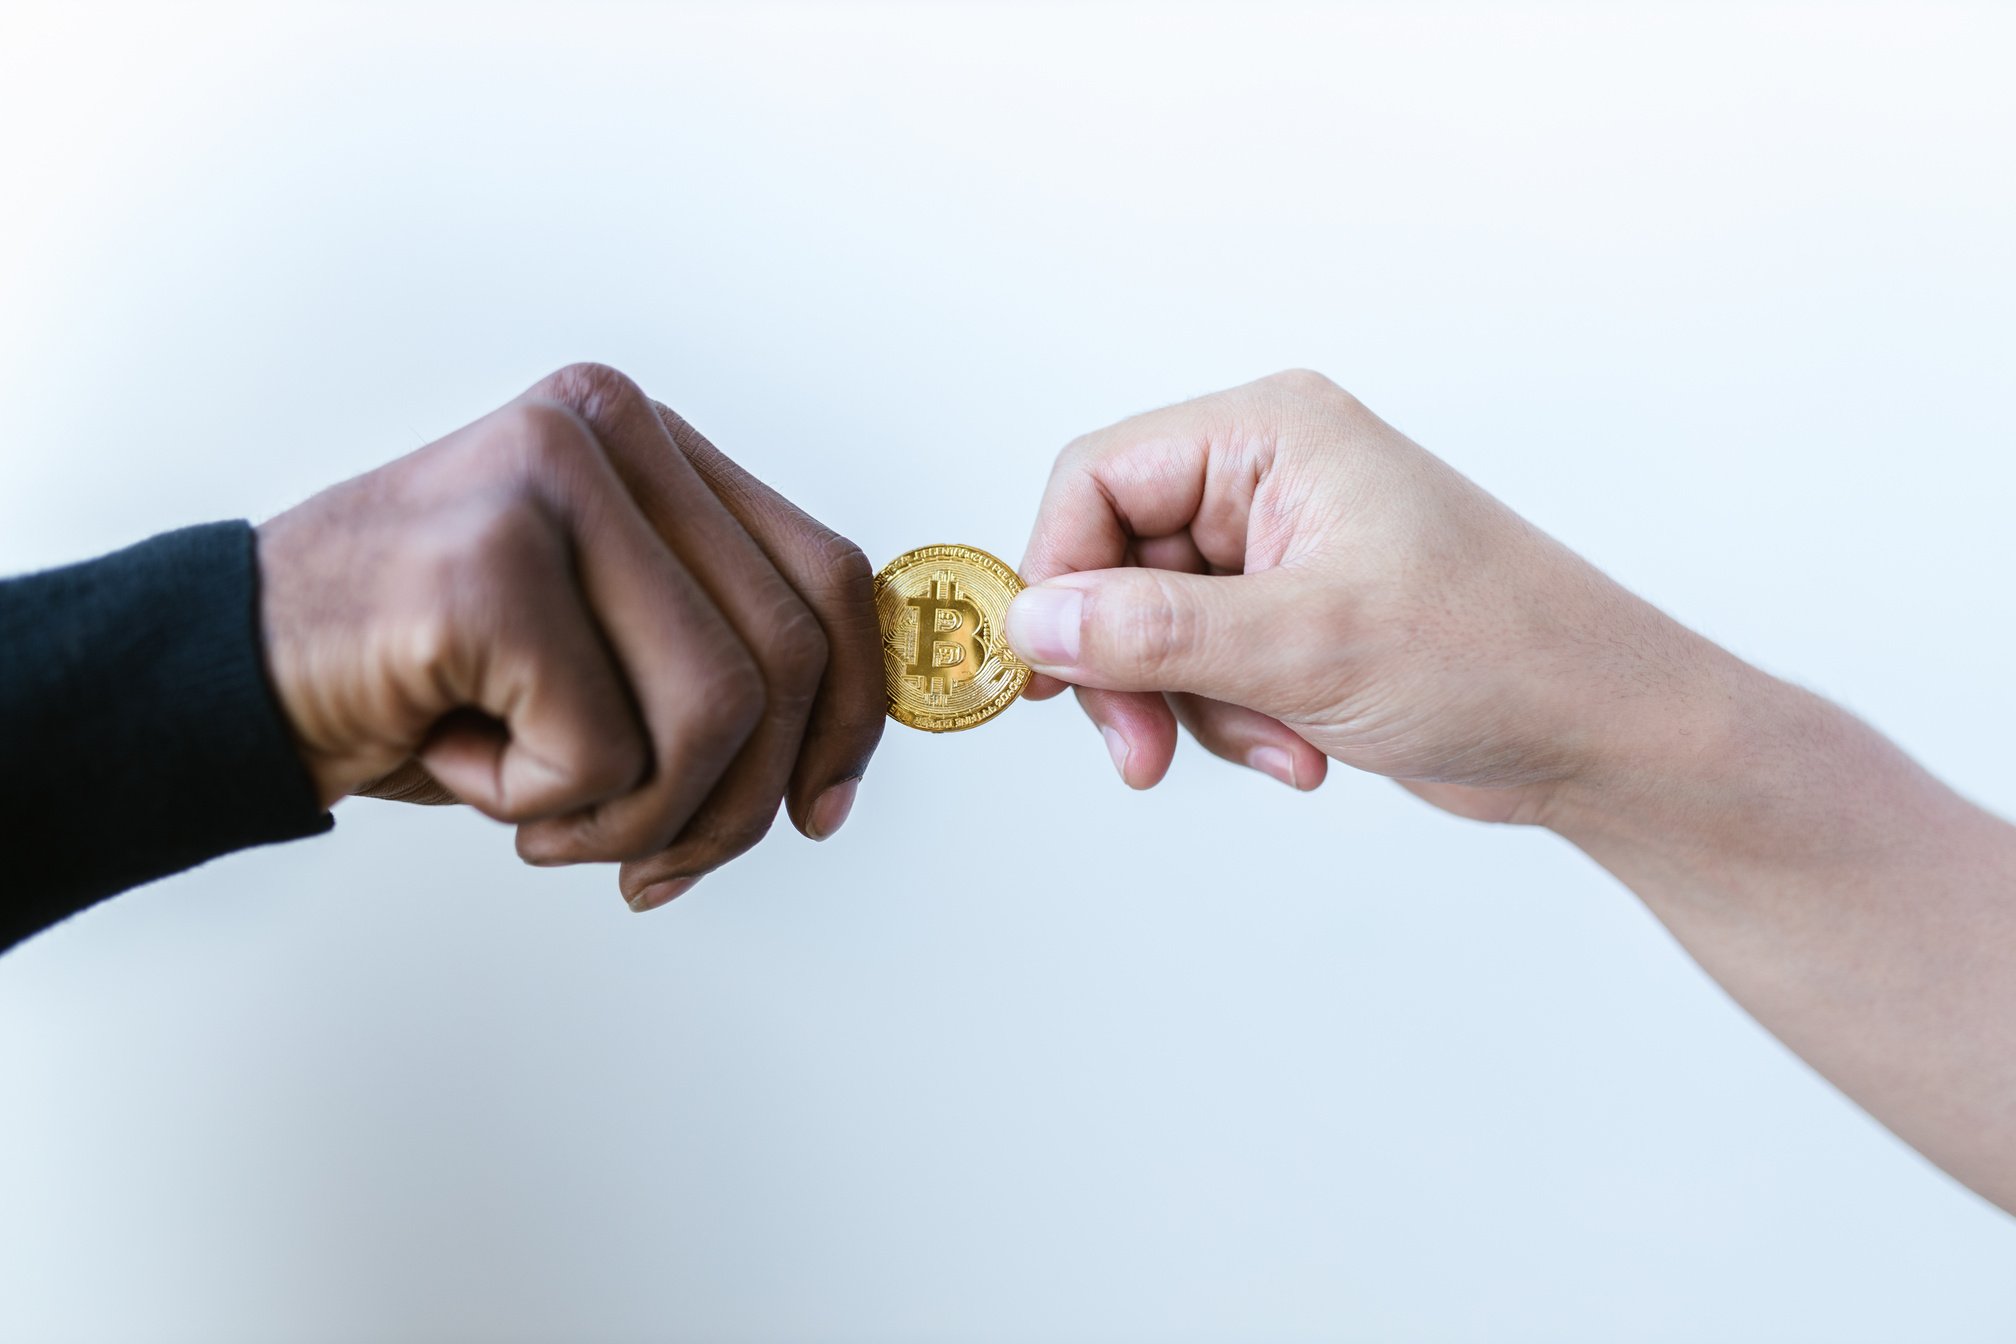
(1190, 468)
(1181, 475)
(837, 583)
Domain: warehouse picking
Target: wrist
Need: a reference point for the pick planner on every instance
(281, 644)
(1672, 755)
(1737, 774)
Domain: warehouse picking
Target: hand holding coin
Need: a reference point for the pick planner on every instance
(1293, 580)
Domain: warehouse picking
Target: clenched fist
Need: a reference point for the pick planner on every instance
(577, 616)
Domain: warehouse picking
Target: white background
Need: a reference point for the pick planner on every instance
(1722, 296)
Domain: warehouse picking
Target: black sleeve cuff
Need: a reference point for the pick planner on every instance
(138, 732)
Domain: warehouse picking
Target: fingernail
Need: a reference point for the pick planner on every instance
(1043, 625)
(1117, 748)
(660, 893)
(830, 809)
(1275, 761)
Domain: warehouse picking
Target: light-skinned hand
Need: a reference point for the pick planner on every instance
(1292, 579)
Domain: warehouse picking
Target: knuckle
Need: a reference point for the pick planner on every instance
(843, 567)
(592, 389)
(1155, 630)
(1309, 384)
(794, 652)
(468, 560)
(548, 434)
(1078, 453)
(1301, 380)
(732, 700)
(839, 585)
(428, 640)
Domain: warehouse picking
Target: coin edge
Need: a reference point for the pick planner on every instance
(1028, 672)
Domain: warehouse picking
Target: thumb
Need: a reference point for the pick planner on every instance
(1153, 630)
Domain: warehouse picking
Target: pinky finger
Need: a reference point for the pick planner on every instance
(1249, 738)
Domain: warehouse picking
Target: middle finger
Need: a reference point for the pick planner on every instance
(777, 628)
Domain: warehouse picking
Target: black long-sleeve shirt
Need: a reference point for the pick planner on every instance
(139, 734)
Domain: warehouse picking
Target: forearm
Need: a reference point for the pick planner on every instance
(1856, 906)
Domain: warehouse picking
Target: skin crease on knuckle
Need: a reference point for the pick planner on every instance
(724, 720)
(840, 591)
(1154, 628)
(601, 835)
(793, 654)
(729, 703)
(842, 573)
(833, 578)
(828, 572)
(723, 708)
(793, 657)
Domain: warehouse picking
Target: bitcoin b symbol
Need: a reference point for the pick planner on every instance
(945, 666)
(949, 647)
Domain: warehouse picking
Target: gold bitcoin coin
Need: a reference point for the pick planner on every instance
(945, 662)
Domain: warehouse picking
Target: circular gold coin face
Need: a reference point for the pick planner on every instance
(945, 662)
